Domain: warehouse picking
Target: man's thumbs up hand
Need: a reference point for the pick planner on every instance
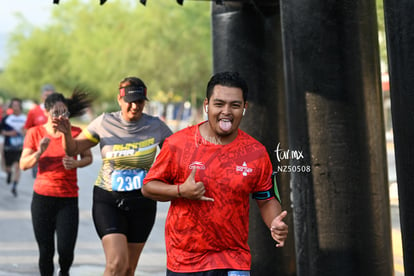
(279, 229)
(192, 189)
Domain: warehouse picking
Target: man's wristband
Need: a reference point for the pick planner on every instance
(178, 190)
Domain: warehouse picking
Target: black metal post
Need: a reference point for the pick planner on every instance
(335, 119)
(248, 40)
(399, 24)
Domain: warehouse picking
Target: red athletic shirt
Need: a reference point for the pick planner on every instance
(35, 117)
(52, 178)
(203, 235)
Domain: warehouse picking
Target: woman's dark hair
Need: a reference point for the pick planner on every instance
(77, 104)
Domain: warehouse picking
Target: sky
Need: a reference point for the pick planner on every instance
(37, 12)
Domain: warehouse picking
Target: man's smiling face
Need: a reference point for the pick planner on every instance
(225, 110)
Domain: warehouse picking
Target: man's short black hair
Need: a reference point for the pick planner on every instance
(18, 100)
(229, 79)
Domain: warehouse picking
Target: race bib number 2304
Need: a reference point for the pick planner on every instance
(127, 180)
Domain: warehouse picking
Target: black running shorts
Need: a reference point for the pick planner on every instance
(11, 157)
(128, 213)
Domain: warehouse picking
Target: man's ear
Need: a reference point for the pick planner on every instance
(206, 105)
(244, 108)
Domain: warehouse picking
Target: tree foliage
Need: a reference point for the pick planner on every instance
(95, 46)
(381, 35)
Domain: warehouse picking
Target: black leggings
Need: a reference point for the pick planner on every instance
(50, 215)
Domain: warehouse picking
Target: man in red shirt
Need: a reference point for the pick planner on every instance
(208, 171)
(37, 115)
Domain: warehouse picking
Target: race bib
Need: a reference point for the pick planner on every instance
(238, 273)
(127, 180)
(16, 141)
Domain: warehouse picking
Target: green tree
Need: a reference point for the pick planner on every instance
(95, 46)
(381, 35)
